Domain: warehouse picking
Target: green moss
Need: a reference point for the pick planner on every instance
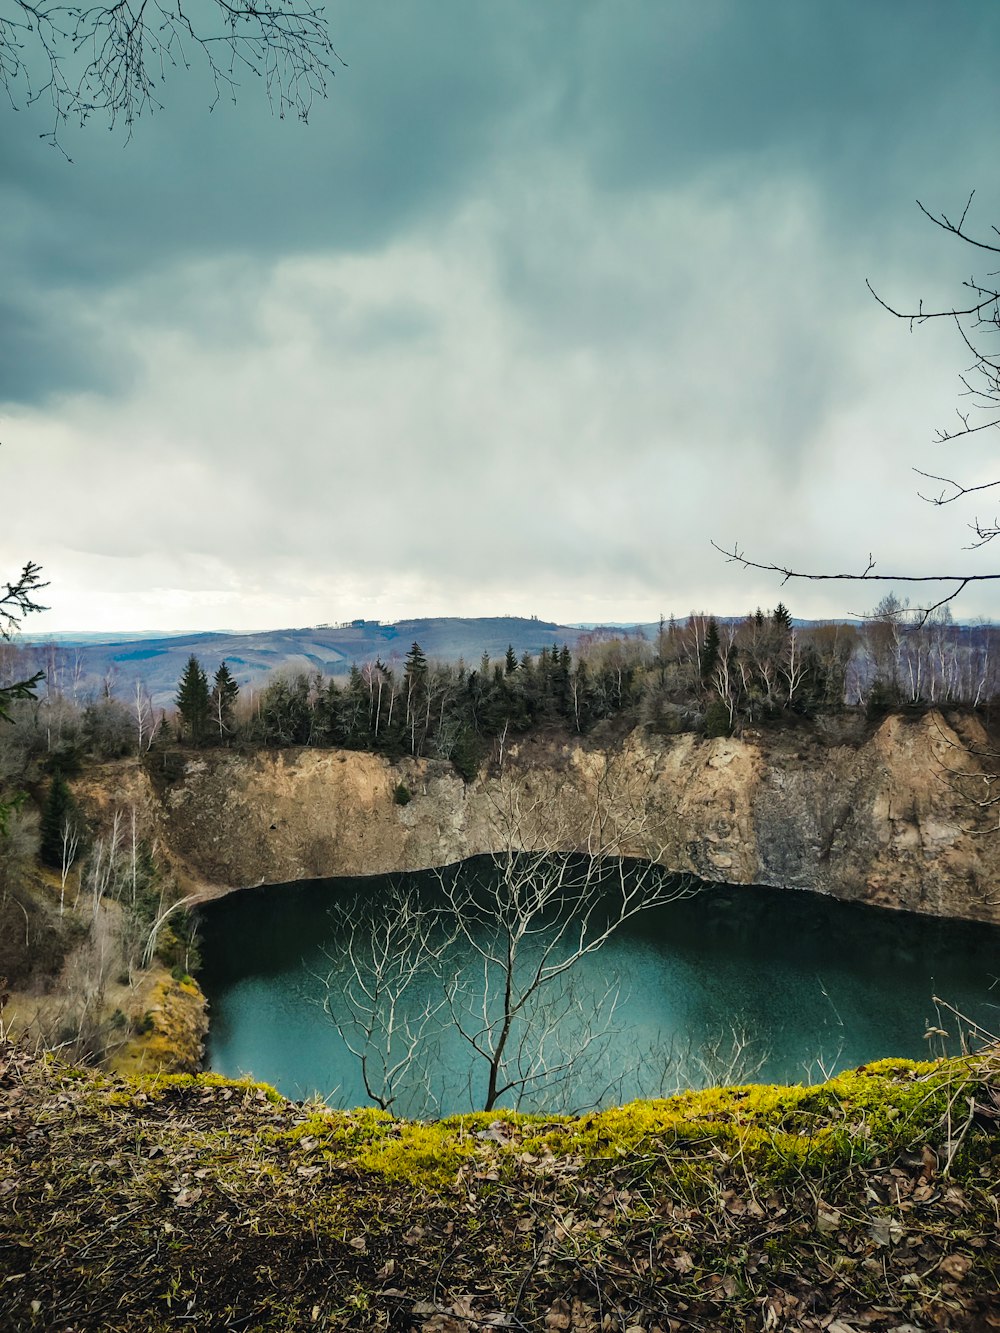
(855, 1116)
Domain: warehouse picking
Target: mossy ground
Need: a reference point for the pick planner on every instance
(157, 1202)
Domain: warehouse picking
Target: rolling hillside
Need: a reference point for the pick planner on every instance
(330, 649)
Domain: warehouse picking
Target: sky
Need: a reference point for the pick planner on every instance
(541, 301)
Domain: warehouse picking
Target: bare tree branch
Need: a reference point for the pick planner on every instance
(977, 320)
(504, 955)
(110, 60)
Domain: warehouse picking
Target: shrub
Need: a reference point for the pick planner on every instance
(717, 721)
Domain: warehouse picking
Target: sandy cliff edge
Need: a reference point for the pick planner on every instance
(884, 820)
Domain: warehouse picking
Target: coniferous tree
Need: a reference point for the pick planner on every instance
(225, 692)
(415, 696)
(781, 617)
(354, 713)
(510, 661)
(57, 816)
(285, 717)
(328, 714)
(709, 654)
(194, 703)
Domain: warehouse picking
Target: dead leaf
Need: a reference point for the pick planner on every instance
(558, 1317)
(956, 1266)
(886, 1231)
(827, 1220)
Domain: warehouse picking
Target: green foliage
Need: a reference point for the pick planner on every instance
(709, 656)
(225, 692)
(402, 794)
(194, 702)
(285, 716)
(59, 816)
(468, 754)
(717, 720)
(177, 943)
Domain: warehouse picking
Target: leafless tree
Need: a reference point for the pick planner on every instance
(379, 992)
(977, 320)
(110, 60)
(501, 952)
(146, 722)
(70, 843)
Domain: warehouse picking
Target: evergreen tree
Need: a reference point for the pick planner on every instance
(781, 617)
(354, 714)
(225, 692)
(415, 695)
(194, 703)
(285, 716)
(328, 718)
(709, 654)
(510, 661)
(58, 814)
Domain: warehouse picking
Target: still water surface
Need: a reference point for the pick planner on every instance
(812, 984)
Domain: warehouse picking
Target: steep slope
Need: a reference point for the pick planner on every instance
(885, 818)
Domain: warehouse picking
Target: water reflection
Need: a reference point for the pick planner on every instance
(791, 984)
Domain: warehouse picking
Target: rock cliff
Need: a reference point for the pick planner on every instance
(884, 815)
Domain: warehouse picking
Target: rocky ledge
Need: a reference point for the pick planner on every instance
(887, 815)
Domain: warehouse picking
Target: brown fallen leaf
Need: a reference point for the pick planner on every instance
(956, 1266)
(558, 1317)
(827, 1220)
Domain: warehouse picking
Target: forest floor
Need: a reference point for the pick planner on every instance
(867, 1204)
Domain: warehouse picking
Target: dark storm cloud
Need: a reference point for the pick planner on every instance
(543, 297)
(434, 97)
(844, 92)
(36, 338)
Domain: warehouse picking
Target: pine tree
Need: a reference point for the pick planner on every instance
(510, 661)
(355, 725)
(415, 694)
(225, 692)
(58, 815)
(781, 617)
(709, 655)
(193, 701)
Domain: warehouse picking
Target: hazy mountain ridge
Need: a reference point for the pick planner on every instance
(158, 662)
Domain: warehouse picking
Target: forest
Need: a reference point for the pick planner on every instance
(707, 675)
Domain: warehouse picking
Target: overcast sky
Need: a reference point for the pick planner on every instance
(543, 298)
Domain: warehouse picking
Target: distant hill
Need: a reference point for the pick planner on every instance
(82, 662)
(76, 662)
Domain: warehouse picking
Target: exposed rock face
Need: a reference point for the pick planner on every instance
(881, 818)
